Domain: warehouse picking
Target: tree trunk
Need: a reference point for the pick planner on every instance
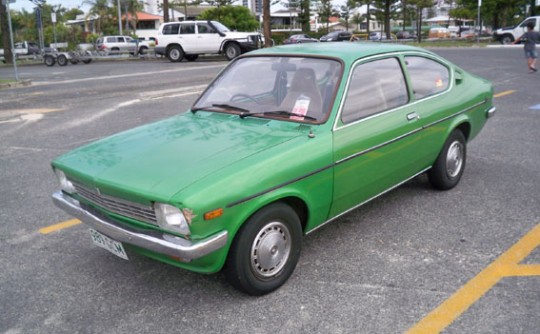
(368, 14)
(165, 10)
(267, 29)
(8, 56)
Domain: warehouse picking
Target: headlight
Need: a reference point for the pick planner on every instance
(171, 218)
(65, 184)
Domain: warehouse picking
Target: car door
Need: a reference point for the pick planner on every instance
(208, 38)
(188, 38)
(377, 136)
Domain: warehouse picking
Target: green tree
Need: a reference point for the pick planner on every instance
(419, 5)
(234, 17)
(325, 12)
(102, 11)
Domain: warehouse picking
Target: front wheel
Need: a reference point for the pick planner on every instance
(232, 50)
(450, 164)
(507, 39)
(265, 250)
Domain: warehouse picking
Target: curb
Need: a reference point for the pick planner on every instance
(15, 84)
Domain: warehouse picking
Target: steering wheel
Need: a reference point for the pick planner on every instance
(241, 95)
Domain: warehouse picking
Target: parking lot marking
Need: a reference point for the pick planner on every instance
(506, 265)
(506, 92)
(59, 226)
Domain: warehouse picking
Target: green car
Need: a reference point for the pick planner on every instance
(283, 141)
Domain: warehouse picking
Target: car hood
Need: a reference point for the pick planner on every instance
(236, 35)
(162, 158)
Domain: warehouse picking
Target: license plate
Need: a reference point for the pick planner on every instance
(109, 244)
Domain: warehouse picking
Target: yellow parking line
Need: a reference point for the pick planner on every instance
(501, 94)
(506, 265)
(60, 226)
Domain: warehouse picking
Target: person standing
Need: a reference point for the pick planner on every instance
(530, 38)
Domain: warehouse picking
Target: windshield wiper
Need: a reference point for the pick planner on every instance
(220, 105)
(278, 113)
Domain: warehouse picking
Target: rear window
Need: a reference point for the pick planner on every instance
(171, 29)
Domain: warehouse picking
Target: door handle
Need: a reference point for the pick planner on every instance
(412, 116)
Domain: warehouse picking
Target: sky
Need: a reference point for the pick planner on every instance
(29, 6)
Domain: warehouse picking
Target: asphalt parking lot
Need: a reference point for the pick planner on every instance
(414, 260)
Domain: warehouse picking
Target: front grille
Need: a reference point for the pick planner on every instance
(119, 206)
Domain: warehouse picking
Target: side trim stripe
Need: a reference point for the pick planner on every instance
(355, 155)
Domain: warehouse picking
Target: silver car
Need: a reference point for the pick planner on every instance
(116, 44)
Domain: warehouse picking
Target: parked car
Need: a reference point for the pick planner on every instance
(336, 36)
(146, 44)
(439, 32)
(378, 36)
(265, 156)
(301, 38)
(404, 34)
(116, 44)
(189, 39)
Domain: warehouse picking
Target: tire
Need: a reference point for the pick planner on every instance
(265, 250)
(507, 39)
(175, 53)
(142, 50)
(87, 61)
(74, 61)
(450, 164)
(49, 60)
(62, 60)
(232, 50)
(191, 57)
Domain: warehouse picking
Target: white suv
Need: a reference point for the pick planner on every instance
(189, 39)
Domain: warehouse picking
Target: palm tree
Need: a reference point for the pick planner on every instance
(99, 9)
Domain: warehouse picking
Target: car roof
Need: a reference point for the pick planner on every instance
(347, 51)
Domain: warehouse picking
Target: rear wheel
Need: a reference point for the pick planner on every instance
(62, 60)
(49, 60)
(175, 53)
(450, 164)
(265, 250)
(142, 50)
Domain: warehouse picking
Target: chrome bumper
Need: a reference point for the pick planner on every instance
(491, 112)
(155, 241)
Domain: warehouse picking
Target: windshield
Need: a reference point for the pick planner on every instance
(296, 89)
(220, 27)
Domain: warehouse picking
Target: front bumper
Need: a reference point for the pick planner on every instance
(491, 112)
(152, 240)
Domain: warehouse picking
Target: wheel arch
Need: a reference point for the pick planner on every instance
(227, 42)
(170, 45)
(465, 128)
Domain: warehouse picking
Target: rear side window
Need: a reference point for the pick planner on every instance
(187, 29)
(374, 87)
(428, 77)
(171, 29)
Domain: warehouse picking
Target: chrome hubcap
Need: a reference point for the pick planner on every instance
(270, 250)
(454, 159)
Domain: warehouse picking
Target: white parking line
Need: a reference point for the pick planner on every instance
(128, 75)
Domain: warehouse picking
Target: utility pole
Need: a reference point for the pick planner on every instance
(14, 55)
(119, 17)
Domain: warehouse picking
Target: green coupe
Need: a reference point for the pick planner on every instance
(283, 141)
